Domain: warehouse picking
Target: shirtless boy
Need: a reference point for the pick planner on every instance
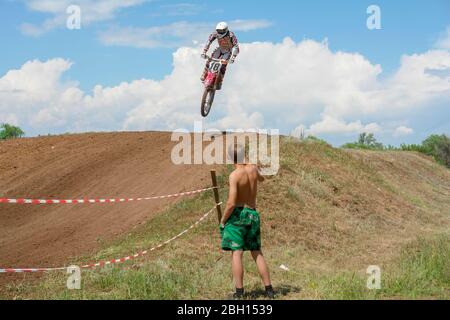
(240, 225)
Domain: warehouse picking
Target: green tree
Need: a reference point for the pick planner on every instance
(443, 152)
(365, 141)
(8, 131)
(438, 146)
(368, 139)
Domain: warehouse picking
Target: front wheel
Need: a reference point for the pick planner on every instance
(207, 101)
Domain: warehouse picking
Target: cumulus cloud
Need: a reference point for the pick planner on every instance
(403, 131)
(331, 125)
(91, 11)
(444, 40)
(303, 83)
(177, 34)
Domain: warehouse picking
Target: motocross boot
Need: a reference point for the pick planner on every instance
(220, 81)
(204, 74)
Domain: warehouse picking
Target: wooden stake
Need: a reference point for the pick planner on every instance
(216, 194)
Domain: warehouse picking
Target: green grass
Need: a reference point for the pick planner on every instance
(422, 271)
(189, 270)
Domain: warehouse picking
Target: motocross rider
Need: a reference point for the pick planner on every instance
(228, 50)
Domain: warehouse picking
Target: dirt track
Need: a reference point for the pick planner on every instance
(109, 165)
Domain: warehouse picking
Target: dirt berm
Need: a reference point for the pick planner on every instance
(109, 165)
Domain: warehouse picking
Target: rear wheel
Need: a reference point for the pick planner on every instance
(207, 101)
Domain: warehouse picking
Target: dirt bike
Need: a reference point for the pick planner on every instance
(215, 65)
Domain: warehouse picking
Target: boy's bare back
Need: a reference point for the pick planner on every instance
(245, 178)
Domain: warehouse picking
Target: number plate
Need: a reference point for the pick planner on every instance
(214, 66)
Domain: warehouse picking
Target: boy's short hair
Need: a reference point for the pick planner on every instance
(236, 153)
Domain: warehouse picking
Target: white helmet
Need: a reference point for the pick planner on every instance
(222, 29)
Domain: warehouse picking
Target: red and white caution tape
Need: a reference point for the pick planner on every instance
(115, 200)
(113, 261)
(30, 270)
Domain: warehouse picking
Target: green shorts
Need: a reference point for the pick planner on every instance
(242, 231)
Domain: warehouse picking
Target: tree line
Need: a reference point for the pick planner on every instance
(8, 131)
(437, 146)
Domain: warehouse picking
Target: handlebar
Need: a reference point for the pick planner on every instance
(223, 61)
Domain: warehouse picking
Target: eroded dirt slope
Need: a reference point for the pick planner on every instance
(110, 165)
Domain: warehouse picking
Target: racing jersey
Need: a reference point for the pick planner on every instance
(228, 43)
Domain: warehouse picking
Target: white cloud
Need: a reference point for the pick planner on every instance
(305, 83)
(330, 125)
(172, 35)
(91, 11)
(249, 25)
(444, 40)
(9, 118)
(403, 131)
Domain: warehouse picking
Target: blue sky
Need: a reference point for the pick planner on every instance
(408, 28)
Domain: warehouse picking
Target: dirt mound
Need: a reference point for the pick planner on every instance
(327, 211)
(109, 165)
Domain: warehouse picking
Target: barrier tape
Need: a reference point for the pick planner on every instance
(113, 261)
(116, 200)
